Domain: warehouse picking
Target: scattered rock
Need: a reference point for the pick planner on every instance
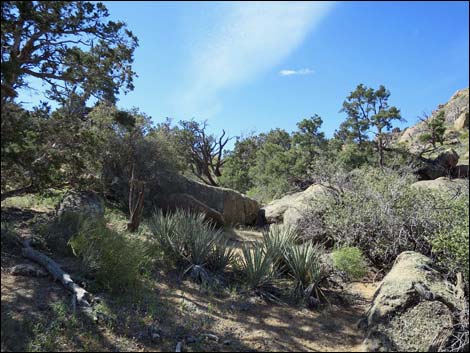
(462, 121)
(456, 118)
(211, 337)
(190, 340)
(411, 307)
(27, 270)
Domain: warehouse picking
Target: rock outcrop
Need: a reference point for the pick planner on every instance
(441, 166)
(289, 209)
(456, 118)
(412, 308)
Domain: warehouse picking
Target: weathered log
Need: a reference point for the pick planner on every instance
(80, 295)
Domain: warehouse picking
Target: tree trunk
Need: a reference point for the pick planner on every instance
(136, 202)
(380, 148)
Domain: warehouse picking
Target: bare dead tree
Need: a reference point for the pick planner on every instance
(205, 151)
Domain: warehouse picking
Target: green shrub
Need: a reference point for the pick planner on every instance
(450, 243)
(277, 240)
(58, 233)
(306, 269)
(350, 261)
(382, 214)
(112, 258)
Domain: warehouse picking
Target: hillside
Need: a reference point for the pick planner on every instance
(456, 119)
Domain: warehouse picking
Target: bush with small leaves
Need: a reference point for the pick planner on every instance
(350, 261)
(112, 258)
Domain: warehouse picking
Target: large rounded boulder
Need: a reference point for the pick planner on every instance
(291, 208)
(221, 205)
(441, 166)
(413, 308)
(453, 186)
(83, 203)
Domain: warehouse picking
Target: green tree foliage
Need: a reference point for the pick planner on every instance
(66, 44)
(238, 163)
(271, 172)
(435, 129)
(42, 149)
(270, 164)
(368, 108)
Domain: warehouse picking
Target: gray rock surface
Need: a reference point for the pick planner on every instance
(289, 209)
(412, 306)
(85, 203)
(222, 205)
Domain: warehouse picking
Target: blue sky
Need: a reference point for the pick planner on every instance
(255, 66)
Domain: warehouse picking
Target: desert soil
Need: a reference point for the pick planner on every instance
(179, 310)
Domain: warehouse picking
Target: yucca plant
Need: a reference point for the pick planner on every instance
(222, 255)
(166, 236)
(258, 270)
(306, 269)
(188, 239)
(277, 240)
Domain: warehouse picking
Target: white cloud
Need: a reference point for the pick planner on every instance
(296, 72)
(246, 40)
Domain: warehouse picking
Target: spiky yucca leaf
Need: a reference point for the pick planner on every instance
(257, 267)
(222, 255)
(188, 239)
(305, 267)
(277, 240)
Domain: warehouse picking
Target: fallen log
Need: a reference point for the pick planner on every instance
(80, 295)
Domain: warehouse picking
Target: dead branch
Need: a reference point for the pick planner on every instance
(80, 295)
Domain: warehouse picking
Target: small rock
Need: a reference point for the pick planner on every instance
(155, 337)
(190, 339)
(27, 270)
(211, 337)
(227, 342)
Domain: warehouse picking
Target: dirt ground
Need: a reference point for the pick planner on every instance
(173, 310)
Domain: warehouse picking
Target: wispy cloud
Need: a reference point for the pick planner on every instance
(247, 40)
(296, 72)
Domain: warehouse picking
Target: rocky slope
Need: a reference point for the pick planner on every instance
(456, 117)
